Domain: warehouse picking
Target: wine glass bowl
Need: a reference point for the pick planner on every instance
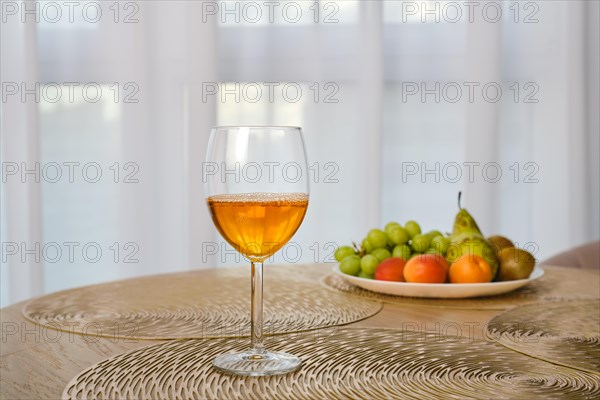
(256, 186)
(258, 224)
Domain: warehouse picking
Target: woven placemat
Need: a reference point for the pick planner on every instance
(565, 333)
(556, 284)
(338, 363)
(199, 304)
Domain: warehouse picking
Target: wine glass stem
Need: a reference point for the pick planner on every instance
(256, 315)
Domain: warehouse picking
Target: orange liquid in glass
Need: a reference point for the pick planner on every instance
(258, 224)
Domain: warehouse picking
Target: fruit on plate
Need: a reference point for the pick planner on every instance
(515, 264)
(443, 262)
(466, 238)
(351, 265)
(391, 269)
(397, 235)
(464, 226)
(412, 228)
(500, 242)
(426, 268)
(368, 264)
(407, 242)
(470, 268)
(420, 243)
(366, 246)
(381, 253)
(402, 251)
(361, 274)
(478, 247)
(377, 238)
(390, 226)
(440, 244)
(342, 252)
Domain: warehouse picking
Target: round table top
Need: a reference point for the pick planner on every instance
(38, 362)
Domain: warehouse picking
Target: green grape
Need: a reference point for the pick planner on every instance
(342, 252)
(440, 243)
(420, 243)
(402, 251)
(367, 246)
(361, 274)
(398, 235)
(433, 234)
(390, 227)
(381, 253)
(377, 238)
(389, 244)
(350, 265)
(412, 228)
(368, 264)
(432, 250)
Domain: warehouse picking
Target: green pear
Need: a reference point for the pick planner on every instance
(465, 226)
(467, 238)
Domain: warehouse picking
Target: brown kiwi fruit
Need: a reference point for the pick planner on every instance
(500, 242)
(514, 264)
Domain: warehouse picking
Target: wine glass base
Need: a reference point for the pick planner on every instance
(251, 363)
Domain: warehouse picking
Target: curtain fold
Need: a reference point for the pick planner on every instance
(371, 82)
(21, 196)
(592, 101)
(484, 66)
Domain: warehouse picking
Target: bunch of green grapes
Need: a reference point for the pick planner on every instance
(394, 241)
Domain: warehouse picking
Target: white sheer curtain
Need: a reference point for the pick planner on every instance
(354, 67)
(20, 211)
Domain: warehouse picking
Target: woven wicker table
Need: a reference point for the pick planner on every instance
(38, 362)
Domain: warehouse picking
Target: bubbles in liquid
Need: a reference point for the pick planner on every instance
(260, 198)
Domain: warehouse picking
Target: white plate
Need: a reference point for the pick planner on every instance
(440, 290)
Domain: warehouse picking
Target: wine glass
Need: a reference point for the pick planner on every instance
(256, 186)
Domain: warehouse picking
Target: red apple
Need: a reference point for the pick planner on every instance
(391, 269)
